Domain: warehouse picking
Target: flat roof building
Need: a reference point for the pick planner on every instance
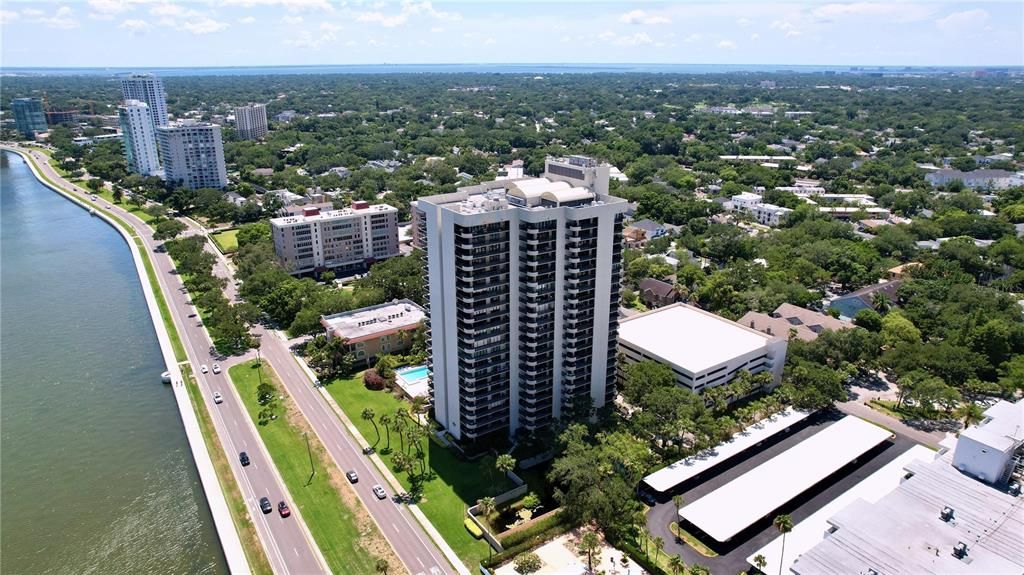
(376, 330)
(702, 349)
(344, 240)
(139, 133)
(251, 121)
(29, 118)
(523, 297)
(992, 449)
(192, 154)
(149, 89)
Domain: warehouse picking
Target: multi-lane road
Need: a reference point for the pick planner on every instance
(289, 547)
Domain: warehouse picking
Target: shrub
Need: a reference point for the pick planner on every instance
(473, 528)
(638, 556)
(373, 380)
(541, 525)
(527, 539)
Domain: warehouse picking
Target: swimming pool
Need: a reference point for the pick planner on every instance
(413, 374)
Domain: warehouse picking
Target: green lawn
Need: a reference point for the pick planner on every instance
(457, 484)
(226, 241)
(330, 520)
(236, 504)
(124, 205)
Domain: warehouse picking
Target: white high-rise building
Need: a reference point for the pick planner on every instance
(139, 133)
(193, 154)
(342, 240)
(251, 121)
(523, 298)
(149, 89)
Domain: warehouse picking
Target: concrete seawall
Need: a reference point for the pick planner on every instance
(226, 532)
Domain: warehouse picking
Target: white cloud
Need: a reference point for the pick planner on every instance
(490, 42)
(692, 38)
(641, 17)
(330, 27)
(292, 5)
(7, 16)
(135, 26)
(436, 30)
(204, 25)
(247, 20)
(638, 39)
(743, 22)
(107, 9)
(307, 41)
(387, 21)
(727, 45)
(167, 10)
(392, 20)
(755, 36)
(967, 22)
(891, 12)
(293, 19)
(62, 19)
(781, 25)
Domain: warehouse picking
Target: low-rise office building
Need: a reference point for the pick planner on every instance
(977, 179)
(376, 330)
(343, 240)
(702, 349)
(788, 319)
(766, 214)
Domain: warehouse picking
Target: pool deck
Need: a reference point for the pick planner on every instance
(412, 388)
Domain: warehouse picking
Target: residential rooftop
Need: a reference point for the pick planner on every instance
(315, 214)
(1002, 428)
(374, 321)
(690, 338)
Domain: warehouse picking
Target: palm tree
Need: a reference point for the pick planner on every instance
(784, 523)
(368, 415)
(646, 534)
(675, 563)
(696, 569)
(400, 461)
(760, 562)
(382, 566)
(505, 463)
(971, 413)
(485, 506)
(659, 544)
(590, 545)
(399, 425)
(385, 420)
(678, 501)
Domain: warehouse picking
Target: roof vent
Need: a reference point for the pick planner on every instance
(960, 550)
(947, 514)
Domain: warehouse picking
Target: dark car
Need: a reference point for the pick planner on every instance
(282, 508)
(243, 458)
(265, 505)
(368, 450)
(648, 498)
(352, 476)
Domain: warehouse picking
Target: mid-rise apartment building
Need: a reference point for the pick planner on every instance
(341, 240)
(192, 154)
(29, 118)
(149, 89)
(139, 135)
(251, 121)
(523, 298)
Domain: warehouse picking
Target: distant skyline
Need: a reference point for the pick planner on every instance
(147, 33)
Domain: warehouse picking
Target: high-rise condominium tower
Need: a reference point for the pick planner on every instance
(251, 121)
(523, 297)
(193, 154)
(28, 116)
(139, 135)
(149, 89)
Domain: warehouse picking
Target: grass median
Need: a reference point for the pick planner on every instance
(251, 545)
(455, 485)
(341, 526)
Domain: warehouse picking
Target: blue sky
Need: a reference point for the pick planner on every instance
(304, 32)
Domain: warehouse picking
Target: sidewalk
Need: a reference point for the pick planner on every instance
(226, 531)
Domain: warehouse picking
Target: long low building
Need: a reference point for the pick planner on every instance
(730, 509)
(375, 330)
(675, 474)
(812, 530)
(344, 240)
(702, 349)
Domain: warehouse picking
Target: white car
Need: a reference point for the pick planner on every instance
(379, 492)
(204, 369)
(217, 397)
(216, 368)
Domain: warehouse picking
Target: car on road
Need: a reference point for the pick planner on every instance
(93, 198)
(243, 458)
(216, 368)
(379, 492)
(282, 508)
(191, 315)
(204, 369)
(217, 397)
(352, 476)
(265, 505)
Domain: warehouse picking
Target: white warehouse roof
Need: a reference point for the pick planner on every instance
(690, 338)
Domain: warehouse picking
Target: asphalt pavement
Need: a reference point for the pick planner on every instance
(289, 547)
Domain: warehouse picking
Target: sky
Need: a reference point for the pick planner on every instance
(162, 33)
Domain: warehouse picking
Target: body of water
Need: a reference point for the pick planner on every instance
(97, 476)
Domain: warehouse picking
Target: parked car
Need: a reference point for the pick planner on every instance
(352, 476)
(204, 369)
(243, 458)
(216, 368)
(217, 397)
(282, 508)
(368, 450)
(379, 492)
(265, 505)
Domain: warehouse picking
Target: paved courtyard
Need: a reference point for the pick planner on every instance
(559, 557)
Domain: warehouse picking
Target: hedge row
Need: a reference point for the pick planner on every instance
(525, 545)
(542, 525)
(638, 556)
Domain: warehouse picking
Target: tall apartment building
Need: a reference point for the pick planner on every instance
(341, 240)
(523, 297)
(192, 154)
(251, 121)
(149, 89)
(139, 135)
(28, 116)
